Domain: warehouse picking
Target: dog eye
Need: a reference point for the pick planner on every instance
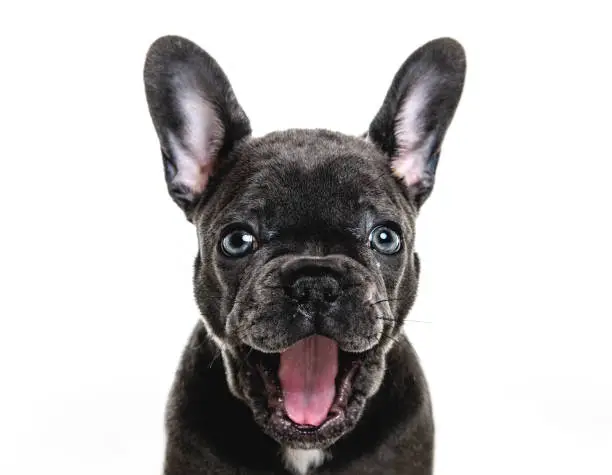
(238, 243)
(385, 240)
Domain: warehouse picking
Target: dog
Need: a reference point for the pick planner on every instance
(304, 275)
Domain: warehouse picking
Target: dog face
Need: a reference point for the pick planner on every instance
(306, 267)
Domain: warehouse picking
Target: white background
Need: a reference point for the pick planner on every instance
(95, 258)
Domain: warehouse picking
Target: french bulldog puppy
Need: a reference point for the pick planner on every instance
(304, 275)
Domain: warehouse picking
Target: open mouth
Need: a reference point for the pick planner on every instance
(307, 386)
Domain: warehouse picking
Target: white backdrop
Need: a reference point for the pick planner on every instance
(96, 259)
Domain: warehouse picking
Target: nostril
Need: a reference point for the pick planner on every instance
(299, 291)
(314, 289)
(331, 290)
(302, 294)
(330, 296)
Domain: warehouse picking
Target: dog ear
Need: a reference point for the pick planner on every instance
(417, 110)
(195, 114)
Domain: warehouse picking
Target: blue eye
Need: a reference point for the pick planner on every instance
(385, 240)
(238, 243)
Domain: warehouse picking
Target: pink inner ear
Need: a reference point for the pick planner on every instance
(202, 177)
(407, 169)
(411, 165)
(193, 170)
(410, 160)
(196, 150)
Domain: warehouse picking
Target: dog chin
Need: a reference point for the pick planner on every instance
(357, 378)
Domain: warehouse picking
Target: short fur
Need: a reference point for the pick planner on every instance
(310, 200)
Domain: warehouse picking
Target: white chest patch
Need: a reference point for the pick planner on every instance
(301, 461)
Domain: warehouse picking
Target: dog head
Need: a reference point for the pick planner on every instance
(306, 267)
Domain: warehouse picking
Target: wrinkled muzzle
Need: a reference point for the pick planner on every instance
(311, 332)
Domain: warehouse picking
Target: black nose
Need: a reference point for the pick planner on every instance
(311, 289)
(309, 280)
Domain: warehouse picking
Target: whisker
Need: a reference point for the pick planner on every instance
(408, 320)
(216, 355)
(387, 319)
(383, 300)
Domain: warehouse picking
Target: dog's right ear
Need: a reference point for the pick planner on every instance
(195, 114)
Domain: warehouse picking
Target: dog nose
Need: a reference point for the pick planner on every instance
(314, 289)
(311, 280)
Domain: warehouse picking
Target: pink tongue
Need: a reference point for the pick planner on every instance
(307, 376)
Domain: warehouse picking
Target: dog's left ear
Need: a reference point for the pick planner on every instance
(195, 113)
(418, 108)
